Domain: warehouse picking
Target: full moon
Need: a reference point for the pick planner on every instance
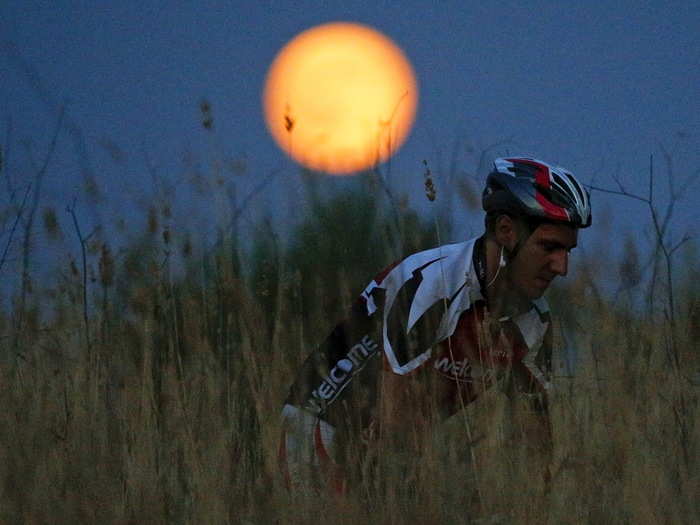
(340, 98)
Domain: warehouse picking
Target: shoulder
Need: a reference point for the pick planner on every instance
(421, 299)
(448, 262)
(426, 273)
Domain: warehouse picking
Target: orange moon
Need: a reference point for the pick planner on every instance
(340, 98)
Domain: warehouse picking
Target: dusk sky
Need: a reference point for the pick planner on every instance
(595, 88)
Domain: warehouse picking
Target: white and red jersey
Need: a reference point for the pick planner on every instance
(421, 327)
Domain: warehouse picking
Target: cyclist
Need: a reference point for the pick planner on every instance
(446, 323)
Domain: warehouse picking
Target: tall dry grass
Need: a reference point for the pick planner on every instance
(165, 407)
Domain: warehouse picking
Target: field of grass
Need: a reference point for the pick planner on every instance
(132, 393)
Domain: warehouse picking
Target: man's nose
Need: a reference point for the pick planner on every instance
(560, 263)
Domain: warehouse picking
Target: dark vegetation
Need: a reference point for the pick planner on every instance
(134, 392)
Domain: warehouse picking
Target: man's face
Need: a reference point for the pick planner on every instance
(544, 255)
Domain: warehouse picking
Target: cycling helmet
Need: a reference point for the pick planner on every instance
(528, 187)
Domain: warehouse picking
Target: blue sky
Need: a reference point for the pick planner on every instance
(596, 88)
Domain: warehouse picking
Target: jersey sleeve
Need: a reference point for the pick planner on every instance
(332, 399)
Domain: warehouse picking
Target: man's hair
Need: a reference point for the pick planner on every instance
(529, 224)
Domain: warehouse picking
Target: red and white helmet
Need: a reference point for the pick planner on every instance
(530, 187)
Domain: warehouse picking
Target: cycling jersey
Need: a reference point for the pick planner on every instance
(421, 328)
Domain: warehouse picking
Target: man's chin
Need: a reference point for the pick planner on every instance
(535, 292)
(541, 286)
(524, 296)
(533, 295)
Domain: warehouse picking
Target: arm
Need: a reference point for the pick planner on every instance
(331, 401)
(306, 450)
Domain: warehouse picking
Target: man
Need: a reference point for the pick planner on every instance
(428, 335)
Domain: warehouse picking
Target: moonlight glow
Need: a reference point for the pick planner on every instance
(340, 98)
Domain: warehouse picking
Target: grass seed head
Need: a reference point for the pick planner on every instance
(430, 190)
(152, 220)
(206, 114)
(74, 268)
(186, 247)
(629, 268)
(53, 229)
(288, 120)
(92, 189)
(106, 266)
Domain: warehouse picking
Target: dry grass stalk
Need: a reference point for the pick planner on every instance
(176, 418)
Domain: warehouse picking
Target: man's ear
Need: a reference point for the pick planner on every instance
(506, 232)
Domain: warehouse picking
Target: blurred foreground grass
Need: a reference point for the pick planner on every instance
(164, 406)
